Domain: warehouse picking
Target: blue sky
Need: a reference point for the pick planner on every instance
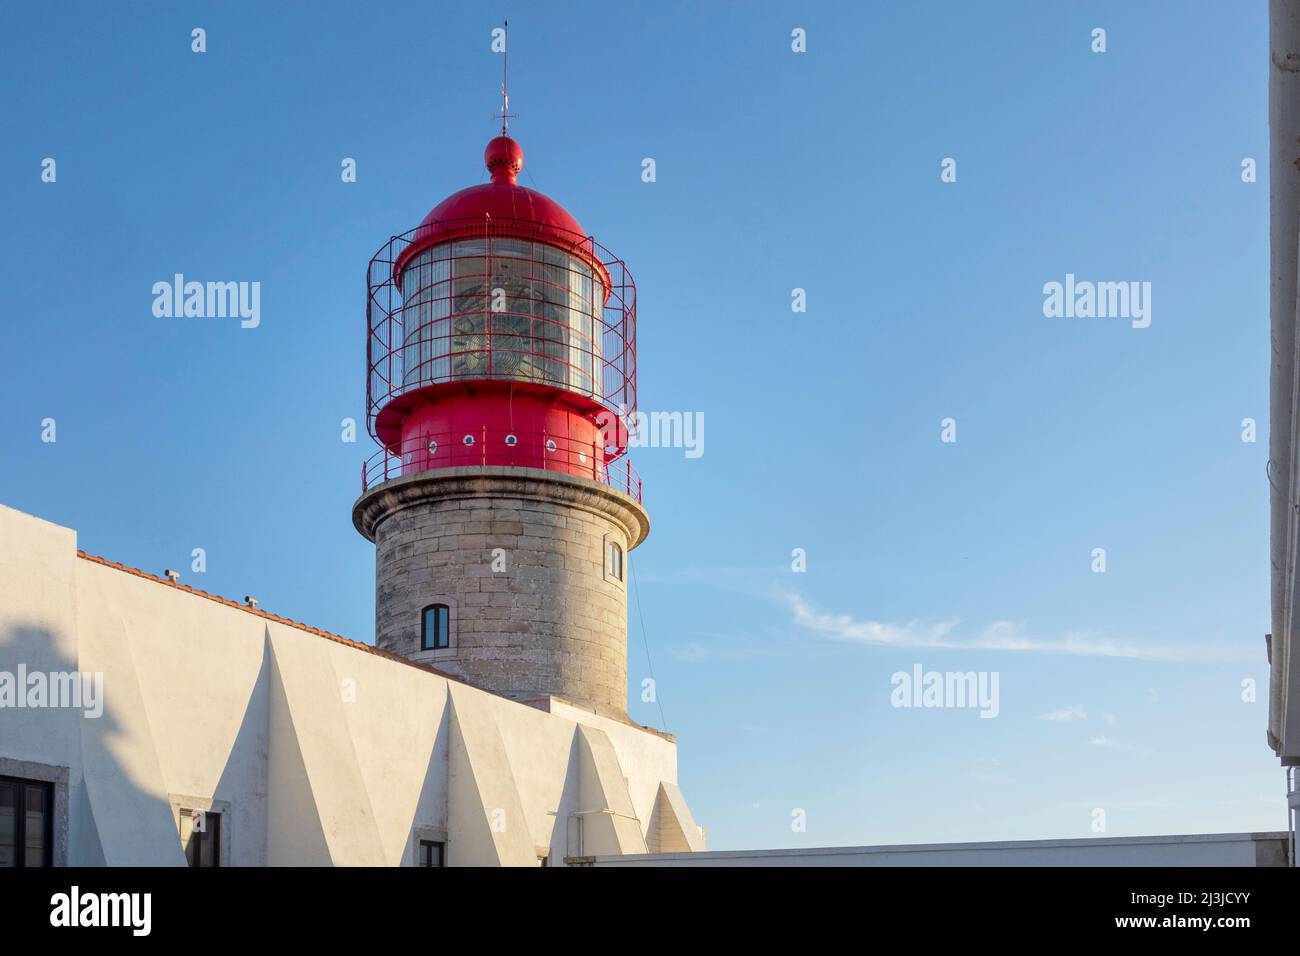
(775, 170)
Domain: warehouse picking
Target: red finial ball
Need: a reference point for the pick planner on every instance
(504, 159)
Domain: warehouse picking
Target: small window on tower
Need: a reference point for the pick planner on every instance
(435, 629)
(614, 561)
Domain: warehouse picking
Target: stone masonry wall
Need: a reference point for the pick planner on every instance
(548, 619)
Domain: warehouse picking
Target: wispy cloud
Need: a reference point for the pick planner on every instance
(1064, 714)
(997, 636)
(1110, 743)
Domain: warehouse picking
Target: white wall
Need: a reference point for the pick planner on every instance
(38, 627)
(320, 752)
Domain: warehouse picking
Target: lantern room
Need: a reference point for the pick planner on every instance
(500, 333)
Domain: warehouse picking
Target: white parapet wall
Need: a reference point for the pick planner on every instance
(316, 750)
(1202, 849)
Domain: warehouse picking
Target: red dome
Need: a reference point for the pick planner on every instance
(504, 201)
(501, 208)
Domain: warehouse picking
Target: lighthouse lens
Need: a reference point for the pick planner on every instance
(502, 308)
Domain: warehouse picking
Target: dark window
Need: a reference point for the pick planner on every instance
(432, 853)
(201, 837)
(435, 627)
(26, 822)
(615, 560)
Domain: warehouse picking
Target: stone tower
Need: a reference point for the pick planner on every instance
(501, 351)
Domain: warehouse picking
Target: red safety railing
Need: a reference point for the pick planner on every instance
(499, 301)
(485, 447)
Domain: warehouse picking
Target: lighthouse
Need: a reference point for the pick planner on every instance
(501, 364)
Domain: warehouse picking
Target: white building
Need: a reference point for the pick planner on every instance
(289, 744)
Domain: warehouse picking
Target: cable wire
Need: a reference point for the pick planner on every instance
(645, 642)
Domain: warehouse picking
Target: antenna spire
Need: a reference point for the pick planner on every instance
(505, 74)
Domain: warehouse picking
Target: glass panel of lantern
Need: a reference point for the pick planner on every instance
(509, 299)
(439, 333)
(425, 290)
(469, 309)
(580, 326)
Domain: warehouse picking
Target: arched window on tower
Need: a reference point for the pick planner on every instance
(614, 560)
(435, 627)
